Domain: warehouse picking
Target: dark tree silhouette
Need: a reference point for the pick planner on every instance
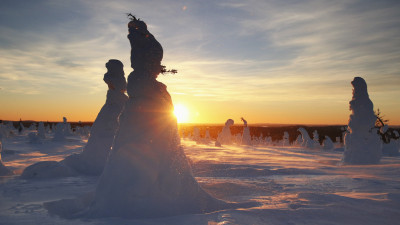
(383, 130)
(164, 70)
(131, 17)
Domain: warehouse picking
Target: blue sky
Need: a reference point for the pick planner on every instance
(269, 61)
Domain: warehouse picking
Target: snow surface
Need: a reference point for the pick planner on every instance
(293, 185)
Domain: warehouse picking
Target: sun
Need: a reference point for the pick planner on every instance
(181, 113)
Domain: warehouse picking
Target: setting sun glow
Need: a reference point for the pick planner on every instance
(181, 113)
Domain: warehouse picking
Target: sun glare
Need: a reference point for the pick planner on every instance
(181, 113)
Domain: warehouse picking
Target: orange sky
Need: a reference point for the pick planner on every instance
(46, 108)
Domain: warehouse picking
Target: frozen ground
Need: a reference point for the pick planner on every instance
(292, 185)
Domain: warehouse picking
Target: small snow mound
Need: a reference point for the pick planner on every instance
(328, 143)
(225, 137)
(47, 169)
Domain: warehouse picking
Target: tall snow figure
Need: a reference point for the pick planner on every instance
(362, 143)
(94, 155)
(147, 174)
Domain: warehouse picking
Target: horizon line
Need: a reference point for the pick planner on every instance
(210, 124)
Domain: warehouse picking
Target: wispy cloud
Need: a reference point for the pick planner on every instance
(315, 46)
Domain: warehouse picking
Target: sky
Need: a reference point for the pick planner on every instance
(269, 61)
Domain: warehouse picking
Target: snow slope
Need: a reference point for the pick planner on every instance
(293, 186)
